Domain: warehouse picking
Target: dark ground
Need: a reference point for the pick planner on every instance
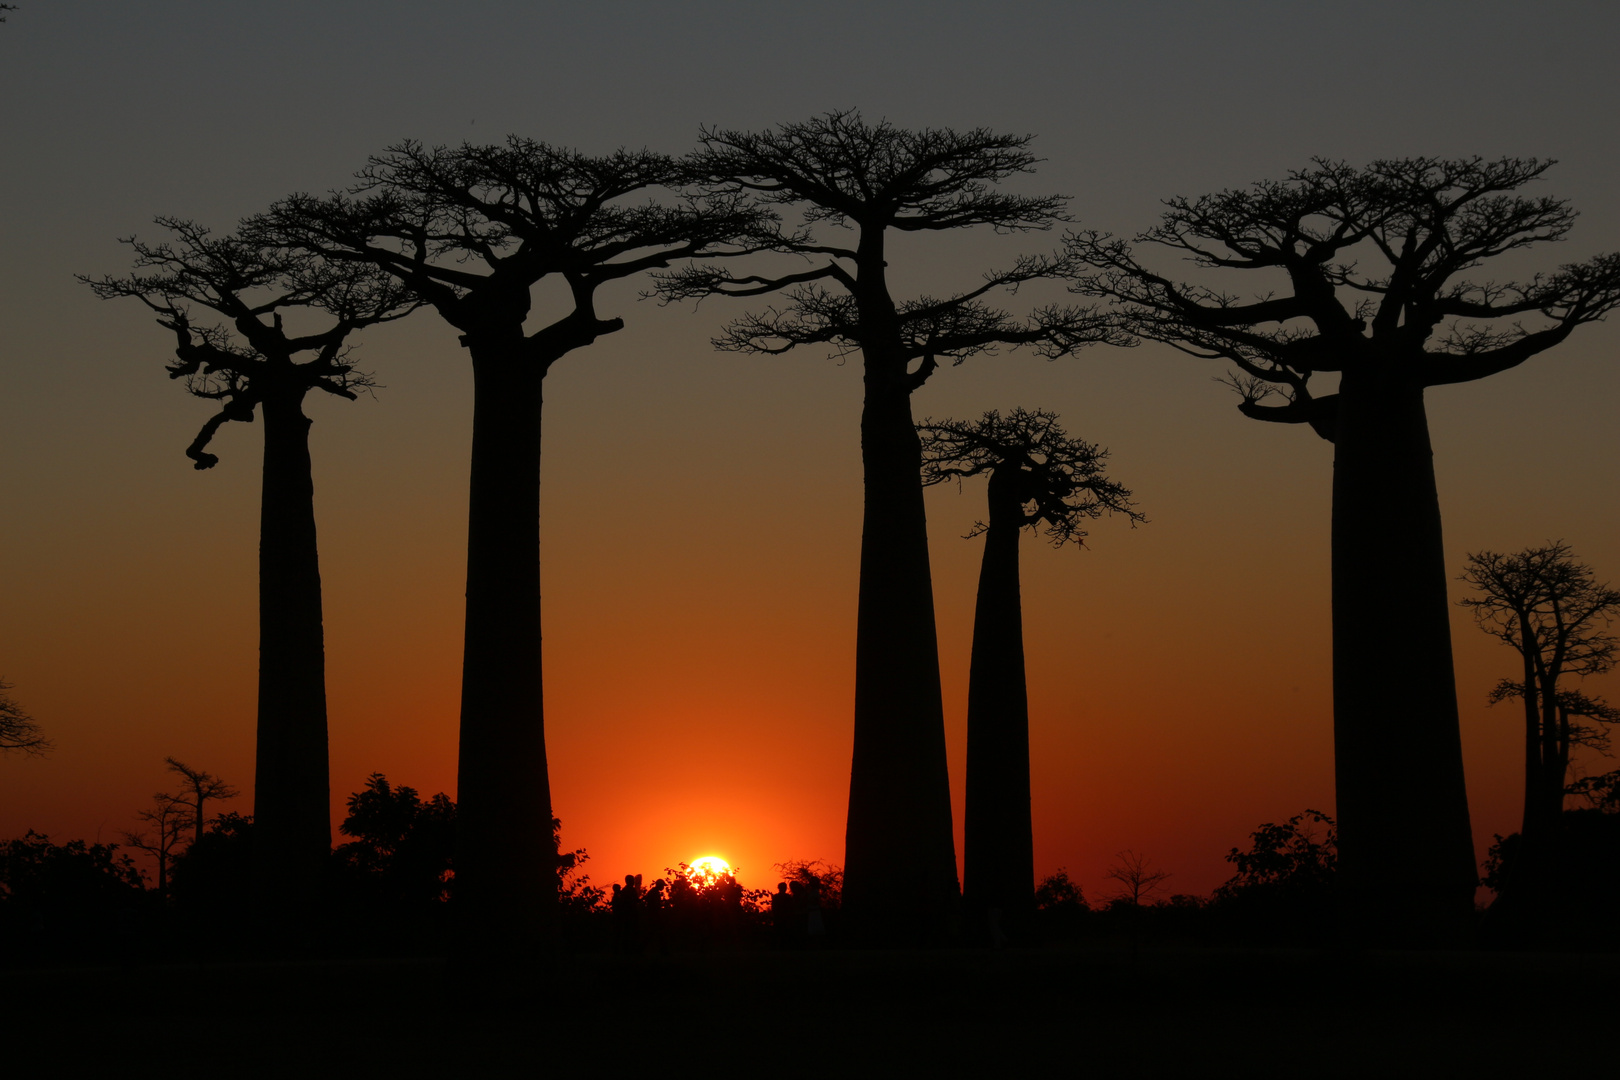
(1092, 1009)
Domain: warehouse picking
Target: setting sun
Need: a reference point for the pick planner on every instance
(707, 869)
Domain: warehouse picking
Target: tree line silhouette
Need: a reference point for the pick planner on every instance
(1374, 265)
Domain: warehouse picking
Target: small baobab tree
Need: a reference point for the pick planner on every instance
(1367, 276)
(858, 185)
(1039, 477)
(1553, 611)
(254, 364)
(161, 836)
(198, 789)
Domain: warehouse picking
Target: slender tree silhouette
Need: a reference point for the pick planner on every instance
(18, 730)
(249, 366)
(871, 179)
(165, 837)
(1373, 266)
(1038, 476)
(1553, 611)
(200, 787)
(472, 229)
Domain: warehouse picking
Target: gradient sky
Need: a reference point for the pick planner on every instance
(702, 511)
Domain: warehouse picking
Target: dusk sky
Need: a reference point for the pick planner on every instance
(702, 511)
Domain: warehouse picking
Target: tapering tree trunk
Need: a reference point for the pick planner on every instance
(291, 798)
(998, 852)
(1406, 858)
(506, 883)
(900, 884)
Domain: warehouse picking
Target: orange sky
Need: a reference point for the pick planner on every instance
(702, 511)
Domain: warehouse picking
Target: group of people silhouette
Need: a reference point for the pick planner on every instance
(679, 908)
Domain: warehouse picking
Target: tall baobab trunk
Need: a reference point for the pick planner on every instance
(900, 880)
(1406, 850)
(999, 847)
(505, 872)
(1534, 766)
(292, 798)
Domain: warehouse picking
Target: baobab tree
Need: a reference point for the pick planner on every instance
(1038, 477)
(472, 230)
(1364, 274)
(1553, 611)
(856, 184)
(169, 819)
(250, 366)
(199, 788)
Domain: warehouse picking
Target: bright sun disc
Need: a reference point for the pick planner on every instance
(708, 868)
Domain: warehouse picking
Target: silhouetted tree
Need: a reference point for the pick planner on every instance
(472, 229)
(250, 366)
(1551, 609)
(212, 879)
(873, 180)
(18, 730)
(1285, 881)
(58, 899)
(1060, 904)
(1601, 792)
(1136, 877)
(167, 817)
(1372, 267)
(198, 788)
(401, 851)
(1039, 476)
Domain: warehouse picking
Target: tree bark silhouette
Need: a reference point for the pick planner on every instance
(1372, 266)
(249, 367)
(900, 881)
(1396, 726)
(998, 851)
(1038, 476)
(291, 785)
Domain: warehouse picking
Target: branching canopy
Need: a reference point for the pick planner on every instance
(1062, 480)
(1542, 600)
(1372, 270)
(252, 283)
(18, 730)
(470, 229)
(841, 171)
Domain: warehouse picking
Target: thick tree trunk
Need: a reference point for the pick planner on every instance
(506, 883)
(900, 883)
(1406, 851)
(292, 824)
(998, 870)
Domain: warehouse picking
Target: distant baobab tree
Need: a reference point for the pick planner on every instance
(857, 183)
(471, 230)
(1371, 269)
(18, 730)
(1553, 611)
(1039, 477)
(199, 789)
(249, 366)
(168, 820)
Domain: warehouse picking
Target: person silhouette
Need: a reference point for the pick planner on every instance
(782, 915)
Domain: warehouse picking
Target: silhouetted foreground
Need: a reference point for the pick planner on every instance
(1102, 1010)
